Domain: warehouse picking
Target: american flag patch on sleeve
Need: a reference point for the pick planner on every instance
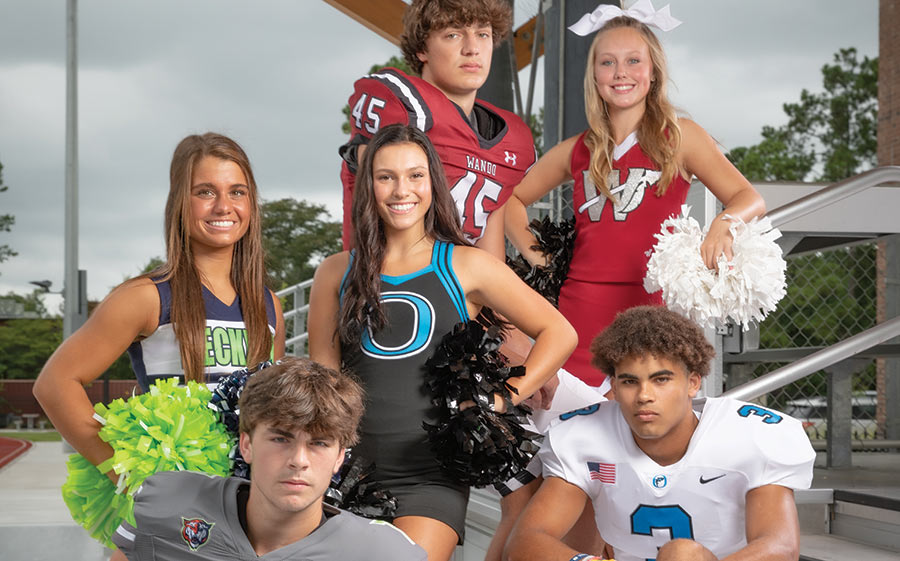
(605, 473)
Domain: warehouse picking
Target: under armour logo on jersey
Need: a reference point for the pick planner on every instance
(510, 158)
(195, 531)
(629, 194)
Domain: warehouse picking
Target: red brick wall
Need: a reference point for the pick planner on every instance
(889, 83)
(18, 394)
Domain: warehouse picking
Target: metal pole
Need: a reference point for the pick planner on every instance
(536, 43)
(833, 193)
(71, 287)
(817, 361)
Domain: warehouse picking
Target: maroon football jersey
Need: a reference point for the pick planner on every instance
(483, 163)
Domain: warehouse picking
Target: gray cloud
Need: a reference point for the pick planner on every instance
(274, 74)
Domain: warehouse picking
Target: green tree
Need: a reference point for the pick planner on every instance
(153, 263)
(6, 223)
(297, 235)
(26, 344)
(829, 136)
(778, 157)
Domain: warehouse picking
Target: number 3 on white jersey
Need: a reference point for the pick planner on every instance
(469, 200)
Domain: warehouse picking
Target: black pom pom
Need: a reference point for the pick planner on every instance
(350, 491)
(476, 445)
(225, 401)
(556, 241)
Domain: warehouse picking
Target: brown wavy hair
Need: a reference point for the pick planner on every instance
(248, 272)
(658, 132)
(424, 16)
(299, 394)
(656, 331)
(361, 303)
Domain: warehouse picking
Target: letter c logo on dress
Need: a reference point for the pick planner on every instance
(421, 328)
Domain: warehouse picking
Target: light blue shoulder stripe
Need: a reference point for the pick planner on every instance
(344, 277)
(442, 259)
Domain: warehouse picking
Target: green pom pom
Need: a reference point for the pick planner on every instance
(93, 501)
(169, 428)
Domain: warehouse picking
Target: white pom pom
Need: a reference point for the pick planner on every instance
(744, 290)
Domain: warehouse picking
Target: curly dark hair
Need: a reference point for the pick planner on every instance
(424, 16)
(652, 330)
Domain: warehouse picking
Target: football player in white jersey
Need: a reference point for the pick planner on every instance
(667, 482)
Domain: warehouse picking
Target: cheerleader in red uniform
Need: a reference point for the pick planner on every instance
(631, 169)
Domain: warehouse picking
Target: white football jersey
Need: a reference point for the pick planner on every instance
(641, 505)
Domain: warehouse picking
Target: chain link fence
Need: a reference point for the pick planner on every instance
(831, 295)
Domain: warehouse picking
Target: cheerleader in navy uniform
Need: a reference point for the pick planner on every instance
(382, 309)
(205, 312)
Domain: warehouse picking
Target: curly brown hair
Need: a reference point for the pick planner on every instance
(652, 330)
(424, 16)
(299, 394)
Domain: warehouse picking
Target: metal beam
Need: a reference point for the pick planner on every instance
(384, 17)
(523, 43)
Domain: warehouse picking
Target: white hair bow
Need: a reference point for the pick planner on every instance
(642, 10)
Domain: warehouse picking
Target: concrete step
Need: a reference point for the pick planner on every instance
(834, 548)
(35, 524)
(867, 517)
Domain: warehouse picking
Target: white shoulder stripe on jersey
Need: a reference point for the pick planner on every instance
(389, 525)
(409, 95)
(125, 533)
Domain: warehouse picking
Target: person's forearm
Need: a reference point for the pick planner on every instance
(774, 548)
(516, 225)
(551, 349)
(537, 546)
(71, 412)
(493, 241)
(746, 205)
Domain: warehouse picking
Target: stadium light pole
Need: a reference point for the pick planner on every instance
(74, 310)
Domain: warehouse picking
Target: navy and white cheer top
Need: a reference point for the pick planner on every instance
(159, 355)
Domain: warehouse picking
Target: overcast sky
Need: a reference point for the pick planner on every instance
(274, 75)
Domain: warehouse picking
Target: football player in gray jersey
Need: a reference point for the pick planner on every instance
(296, 419)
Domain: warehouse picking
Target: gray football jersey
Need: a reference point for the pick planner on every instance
(187, 515)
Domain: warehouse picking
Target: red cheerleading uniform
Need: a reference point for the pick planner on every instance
(609, 259)
(484, 156)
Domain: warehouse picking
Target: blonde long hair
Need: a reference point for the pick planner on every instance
(248, 273)
(658, 131)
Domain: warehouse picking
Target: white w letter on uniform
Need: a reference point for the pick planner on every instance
(630, 194)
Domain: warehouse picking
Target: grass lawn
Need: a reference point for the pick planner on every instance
(33, 435)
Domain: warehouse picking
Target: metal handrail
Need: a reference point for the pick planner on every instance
(291, 289)
(852, 345)
(833, 193)
(296, 315)
(817, 361)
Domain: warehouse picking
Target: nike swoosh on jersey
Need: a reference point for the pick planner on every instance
(705, 481)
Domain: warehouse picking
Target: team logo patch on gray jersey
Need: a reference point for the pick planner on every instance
(195, 531)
